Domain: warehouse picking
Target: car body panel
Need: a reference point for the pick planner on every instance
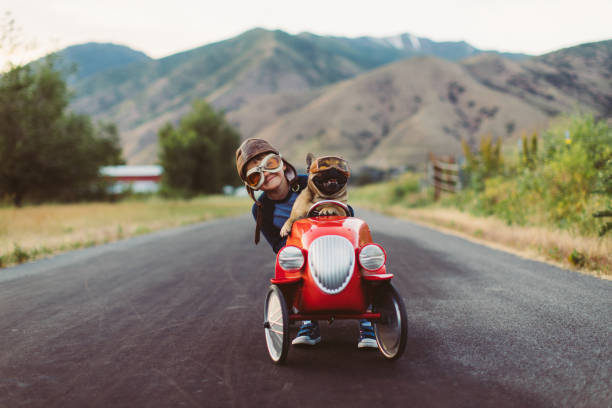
(299, 286)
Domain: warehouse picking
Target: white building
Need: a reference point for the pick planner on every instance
(138, 179)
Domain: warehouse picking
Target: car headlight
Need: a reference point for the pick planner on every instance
(291, 258)
(372, 257)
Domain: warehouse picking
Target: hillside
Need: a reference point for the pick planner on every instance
(92, 58)
(295, 88)
(400, 112)
(556, 82)
(394, 115)
(230, 74)
(260, 75)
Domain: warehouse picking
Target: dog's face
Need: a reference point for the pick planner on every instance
(328, 183)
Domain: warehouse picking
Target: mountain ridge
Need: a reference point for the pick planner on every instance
(81, 61)
(262, 77)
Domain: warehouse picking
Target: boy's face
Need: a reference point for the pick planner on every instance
(272, 180)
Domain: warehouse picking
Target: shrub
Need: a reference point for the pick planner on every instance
(575, 154)
(484, 163)
(604, 187)
(577, 258)
(594, 137)
(555, 184)
(404, 188)
(19, 254)
(529, 151)
(503, 198)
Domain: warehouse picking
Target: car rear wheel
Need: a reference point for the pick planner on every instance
(276, 325)
(391, 329)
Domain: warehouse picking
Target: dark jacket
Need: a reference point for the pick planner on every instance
(268, 229)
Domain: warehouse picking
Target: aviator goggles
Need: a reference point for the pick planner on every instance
(272, 163)
(329, 162)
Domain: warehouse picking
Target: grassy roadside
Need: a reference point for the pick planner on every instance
(402, 198)
(35, 232)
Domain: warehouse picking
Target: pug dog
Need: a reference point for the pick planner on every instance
(327, 180)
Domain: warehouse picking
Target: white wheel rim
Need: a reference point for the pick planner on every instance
(389, 335)
(275, 331)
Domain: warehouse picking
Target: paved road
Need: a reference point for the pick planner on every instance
(174, 319)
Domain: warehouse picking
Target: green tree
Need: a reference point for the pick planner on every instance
(47, 153)
(198, 156)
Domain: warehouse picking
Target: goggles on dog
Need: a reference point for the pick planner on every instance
(329, 162)
(272, 163)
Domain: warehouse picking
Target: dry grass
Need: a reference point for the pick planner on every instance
(37, 231)
(549, 245)
(34, 232)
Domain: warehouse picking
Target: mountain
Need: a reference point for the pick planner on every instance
(92, 58)
(394, 115)
(449, 50)
(142, 96)
(555, 82)
(270, 84)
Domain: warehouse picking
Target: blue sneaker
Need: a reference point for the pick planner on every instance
(367, 338)
(308, 334)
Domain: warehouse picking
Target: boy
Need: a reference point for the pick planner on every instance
(261, 167)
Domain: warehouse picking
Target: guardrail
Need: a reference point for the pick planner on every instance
(443, 173)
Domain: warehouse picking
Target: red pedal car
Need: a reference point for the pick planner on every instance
(330, 269)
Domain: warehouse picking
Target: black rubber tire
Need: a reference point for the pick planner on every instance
(392, 328)
(276, 325)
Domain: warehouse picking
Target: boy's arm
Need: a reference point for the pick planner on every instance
(299, 210)
(270, 233)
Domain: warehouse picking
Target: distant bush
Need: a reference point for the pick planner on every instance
(575, 151)
(483, 163)
(405, 187)
(561, 184)
(529, 151)
(604, 188)
(19, 254)
(404, 190)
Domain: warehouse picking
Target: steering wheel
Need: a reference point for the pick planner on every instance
(314, 209)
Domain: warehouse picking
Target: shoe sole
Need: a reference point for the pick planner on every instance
(303, 340)
(367, 343)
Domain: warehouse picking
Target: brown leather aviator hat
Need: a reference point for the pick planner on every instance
(249, 149)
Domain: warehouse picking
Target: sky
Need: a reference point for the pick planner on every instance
(161, 28)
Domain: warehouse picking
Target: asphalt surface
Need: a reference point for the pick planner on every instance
(175, 319)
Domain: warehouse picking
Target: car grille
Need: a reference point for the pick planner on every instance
(332, 260)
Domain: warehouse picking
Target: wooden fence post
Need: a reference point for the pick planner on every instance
(444, 174)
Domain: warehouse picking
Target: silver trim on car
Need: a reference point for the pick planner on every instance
(331, 259)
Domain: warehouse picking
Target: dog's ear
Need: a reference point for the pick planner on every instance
(309, 158)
